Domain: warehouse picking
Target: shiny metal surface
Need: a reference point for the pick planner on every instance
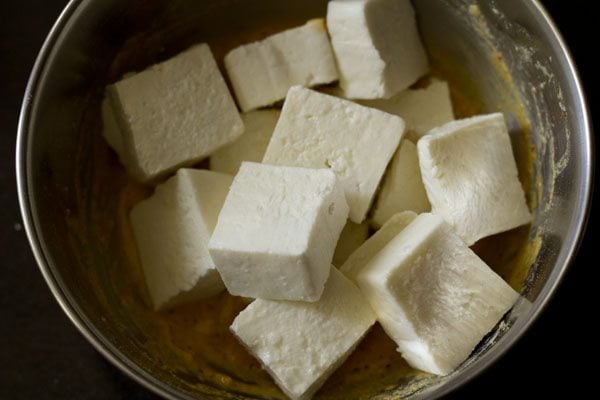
(60, 152)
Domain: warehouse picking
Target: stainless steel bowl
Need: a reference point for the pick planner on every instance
(74, 196)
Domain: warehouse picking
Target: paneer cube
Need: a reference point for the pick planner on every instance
(251, 146)
(471, 177)
(361, 256)
(111, 131)
(172, 229)
(433, 295)
(421, 109)
(402, 187)
(352, 237)
(261, 73)
(300, 344)
(377, 46)
(277, 232)
(174, 114)
(320, 131)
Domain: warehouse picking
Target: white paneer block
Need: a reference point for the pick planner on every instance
(262, 72)
(317, 131)
(402, 188)
(421, 109)
(377, 46)
(433, 295)
(361, 256)
(172, 229)
(301, 344)
(277, 232)
(174, 113)
(471, 177)
(111, 131)
(251, 146)
(352, 237)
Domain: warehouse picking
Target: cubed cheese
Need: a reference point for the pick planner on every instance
(361, 256)
(300, 344)
(377, 46)
(172, 229)
(352, 236)
(319, 131)
(471, 177)
(250, 146)
(110, 126)
(277, 232)
(174, 113)
(262, 72)
(433, 295)
(402, 188)
(422, 109)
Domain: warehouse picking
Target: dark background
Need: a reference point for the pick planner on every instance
(43, 356)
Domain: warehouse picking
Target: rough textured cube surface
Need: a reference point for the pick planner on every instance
(300, 344)
(433, 295)
(251, 146)
(422, 109)
(172, 229)
(402, 186)
(277, 232)
(174, 113)
(361, 256)
(320, 131)
(471, 177)
(262, 72)
(377, 46)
